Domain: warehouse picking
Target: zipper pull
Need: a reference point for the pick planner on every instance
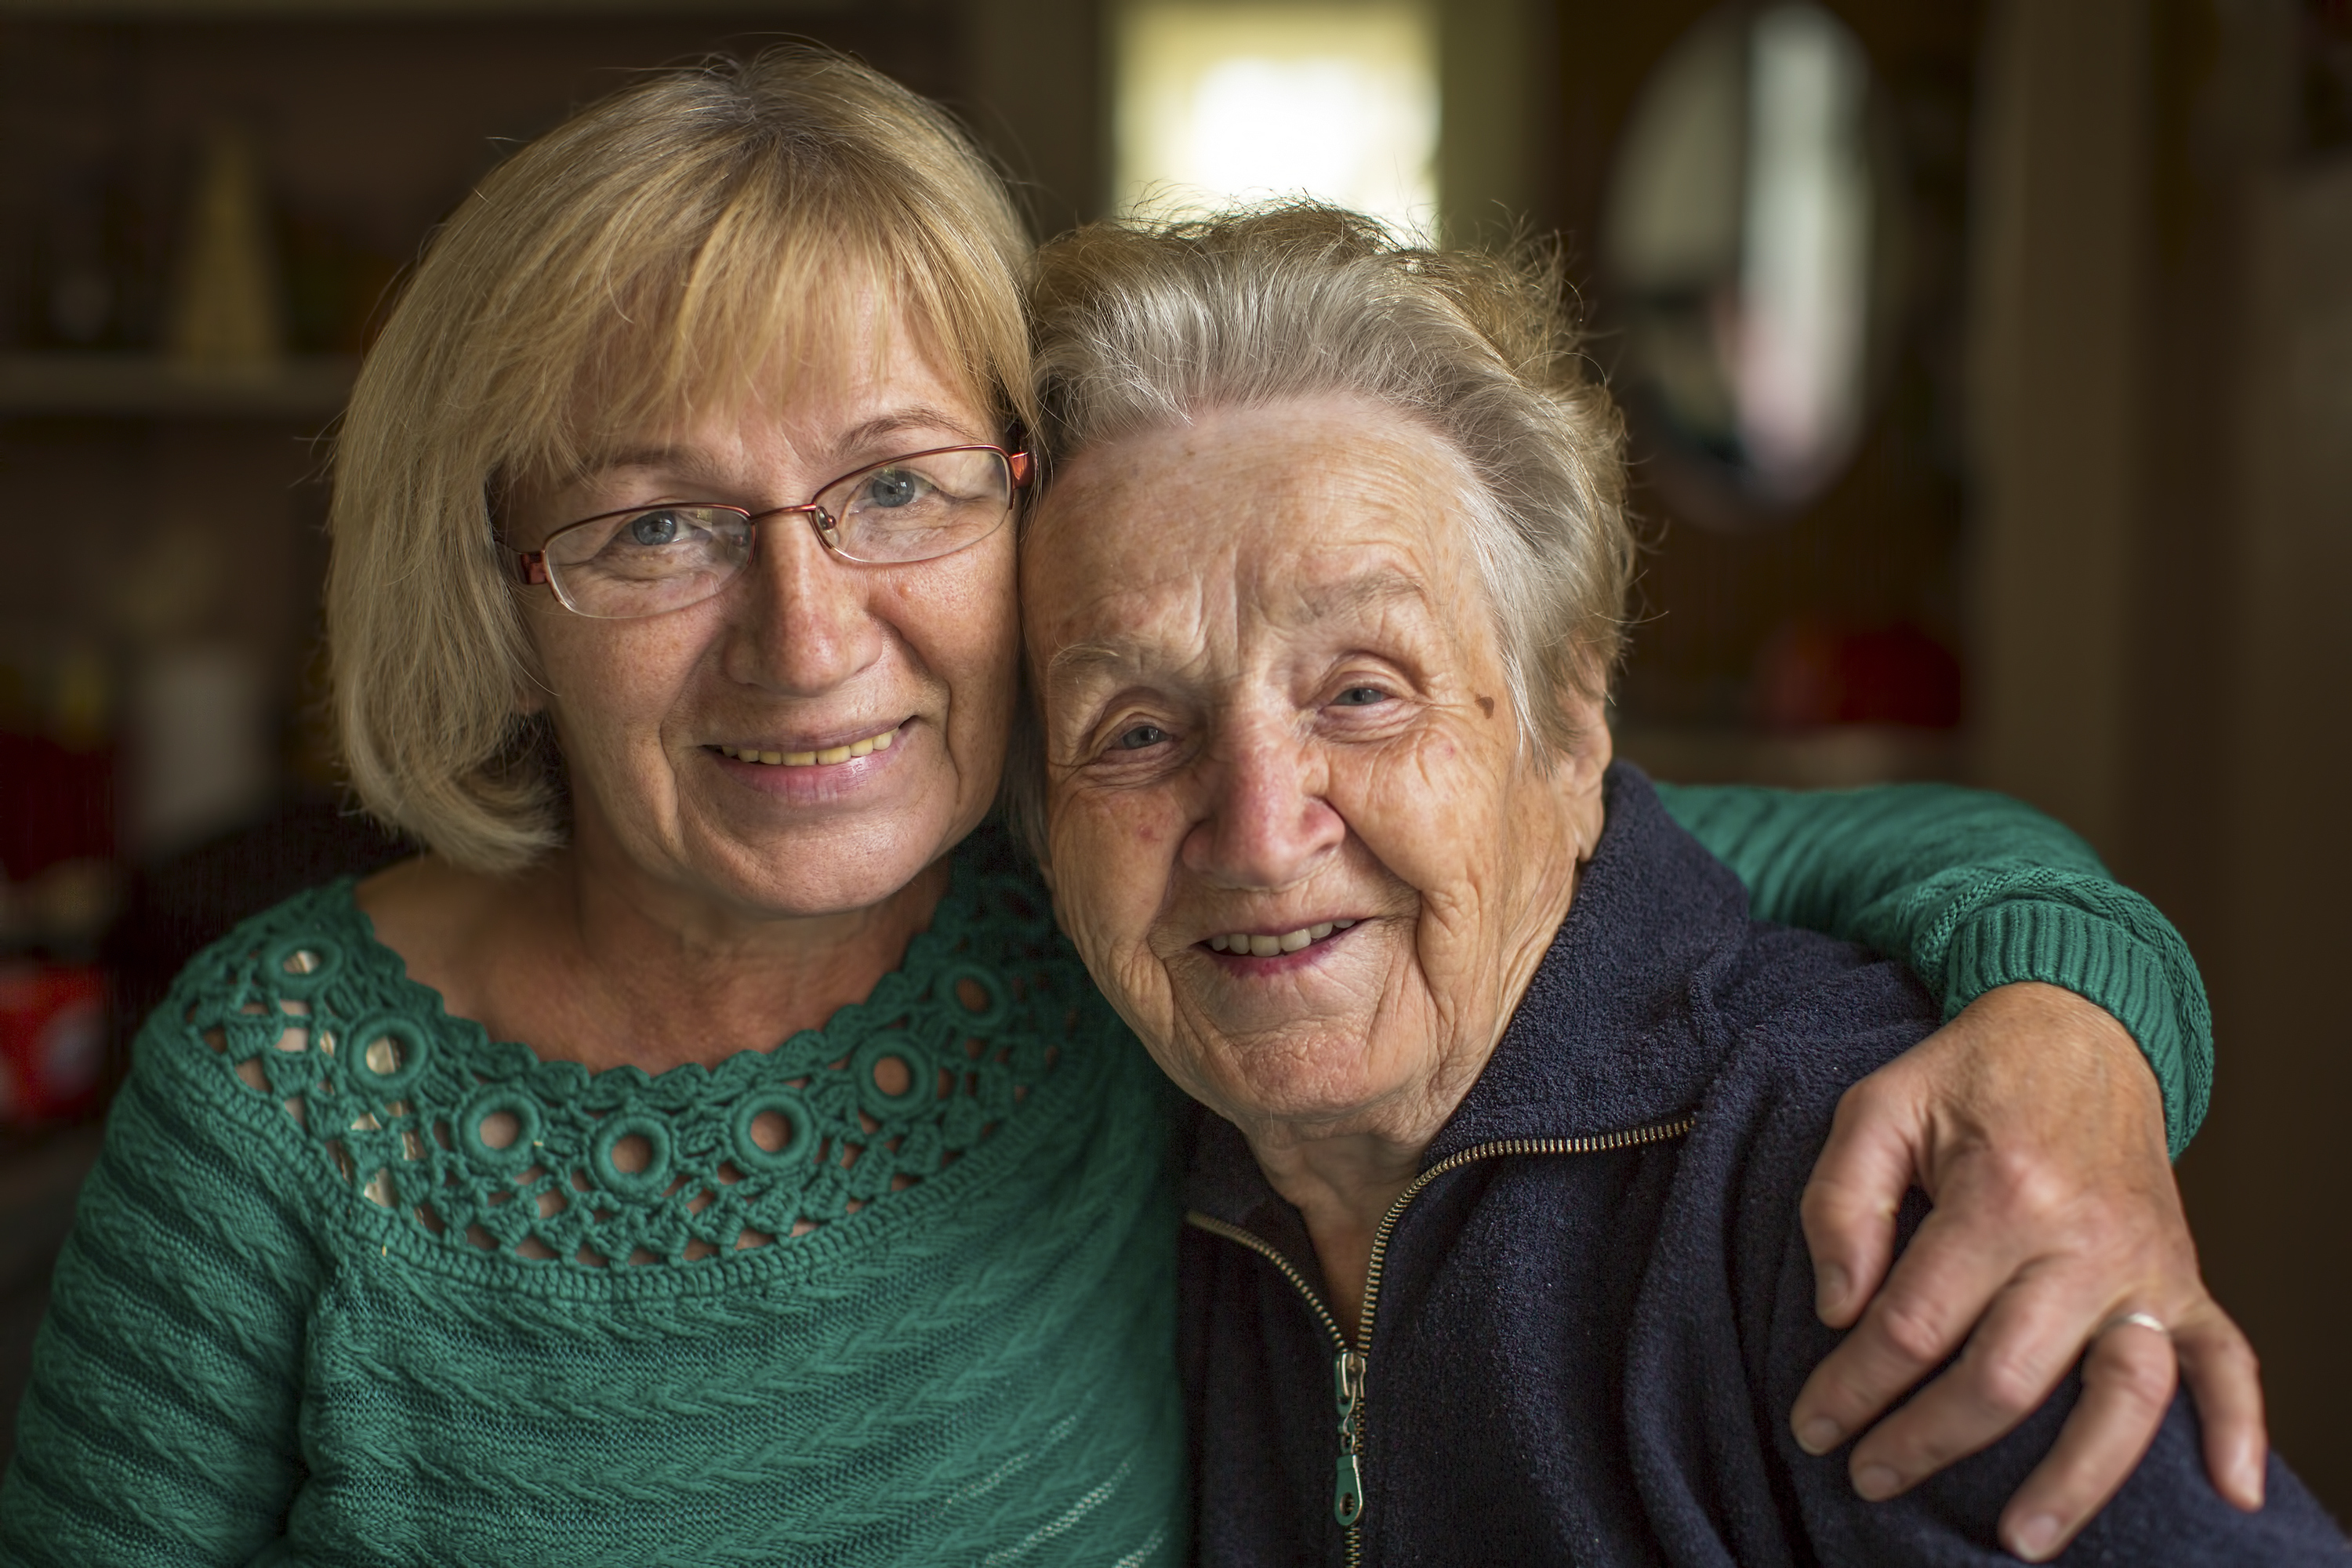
(1348, 1492)
(1347, 1483)
(1348, 1386)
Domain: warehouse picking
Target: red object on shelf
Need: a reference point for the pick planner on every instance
(52, 1040)
(1813, 673)
(55, 803)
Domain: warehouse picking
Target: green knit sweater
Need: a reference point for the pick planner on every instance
(353, 1284)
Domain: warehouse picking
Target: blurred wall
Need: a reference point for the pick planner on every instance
(1035, 94)
(2163, 306)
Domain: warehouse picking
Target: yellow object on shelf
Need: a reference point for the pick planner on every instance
(226, 313)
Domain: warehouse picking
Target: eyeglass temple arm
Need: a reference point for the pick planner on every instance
(1023, 467)
(531, 566)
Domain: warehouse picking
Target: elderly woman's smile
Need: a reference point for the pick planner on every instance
(1295, 822)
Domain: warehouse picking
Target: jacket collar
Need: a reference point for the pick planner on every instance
(1614, 1031)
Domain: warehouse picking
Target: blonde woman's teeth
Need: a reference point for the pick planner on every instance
(1274, 946)
(865, 748)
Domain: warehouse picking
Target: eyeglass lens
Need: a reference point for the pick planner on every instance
(896, 513)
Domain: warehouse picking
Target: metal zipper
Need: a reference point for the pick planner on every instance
(1351, 1364)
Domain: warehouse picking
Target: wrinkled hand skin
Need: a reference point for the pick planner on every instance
(2036, 1129)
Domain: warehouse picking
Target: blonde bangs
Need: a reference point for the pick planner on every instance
(783, 281)
(642, 265)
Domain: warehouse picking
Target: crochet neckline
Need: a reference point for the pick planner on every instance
(462, 1143)
(956, 904)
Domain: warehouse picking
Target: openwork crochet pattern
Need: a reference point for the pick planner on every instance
(488, 1148)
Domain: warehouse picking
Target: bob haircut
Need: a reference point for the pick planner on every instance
(1141, 325)
(640, 262)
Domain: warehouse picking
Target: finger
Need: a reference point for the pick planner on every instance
(2226, 1382)
(2127, 1381)
(1851, 1200)
(1948, 1275)
(2028, 1340)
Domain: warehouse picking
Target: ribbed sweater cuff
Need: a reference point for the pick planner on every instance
(2096, 959)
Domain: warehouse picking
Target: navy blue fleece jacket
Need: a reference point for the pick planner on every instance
(1588, 1353)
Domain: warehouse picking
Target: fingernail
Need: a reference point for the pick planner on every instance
(1830, 1283)
(1820, 1435)
(2035, 1536)
(1874, 1482)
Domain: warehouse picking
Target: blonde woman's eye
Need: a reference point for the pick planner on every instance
(1139, 737)
(892, 489)
(655, 528)
(1361, 696)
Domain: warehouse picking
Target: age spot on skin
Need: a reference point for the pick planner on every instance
(1486, 706)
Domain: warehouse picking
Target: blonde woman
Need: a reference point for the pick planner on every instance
(709, 1152)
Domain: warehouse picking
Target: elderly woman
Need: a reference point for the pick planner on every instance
(1497, 1250)
(708, 1151)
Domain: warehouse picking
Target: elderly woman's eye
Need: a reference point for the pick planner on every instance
(1361, 697)
(1139, 737)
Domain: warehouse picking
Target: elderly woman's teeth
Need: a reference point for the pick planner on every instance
(1273, 946)
(865, 748)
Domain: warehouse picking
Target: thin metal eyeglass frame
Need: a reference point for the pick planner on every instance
(531, 565)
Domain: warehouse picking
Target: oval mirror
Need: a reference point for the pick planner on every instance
(1745, 244)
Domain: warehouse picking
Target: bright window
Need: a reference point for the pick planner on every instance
(1222, 102)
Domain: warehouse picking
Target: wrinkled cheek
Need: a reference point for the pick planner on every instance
(1137, 986)
(1441, 843)
(1096, 885)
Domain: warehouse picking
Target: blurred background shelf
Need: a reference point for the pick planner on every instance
(138, 385)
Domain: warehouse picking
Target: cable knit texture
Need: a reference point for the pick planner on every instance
(353, 1283)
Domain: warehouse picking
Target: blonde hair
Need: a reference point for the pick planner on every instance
(641, 260)
(1141, 324)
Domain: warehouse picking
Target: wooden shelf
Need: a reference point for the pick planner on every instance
(134, 387)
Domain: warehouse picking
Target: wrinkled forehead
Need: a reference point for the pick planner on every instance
(1243, 525)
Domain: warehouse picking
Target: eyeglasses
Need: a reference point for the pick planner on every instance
(649, 559)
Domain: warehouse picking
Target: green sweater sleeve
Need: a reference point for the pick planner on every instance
(1971, 889)
(160, 1423)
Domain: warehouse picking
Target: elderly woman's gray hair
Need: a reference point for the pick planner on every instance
(1140, 326)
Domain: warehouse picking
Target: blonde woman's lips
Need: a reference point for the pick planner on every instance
(1259, 944)
(865, 746)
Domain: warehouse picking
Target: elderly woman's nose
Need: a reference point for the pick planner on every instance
(805, 625)
(1266, 823)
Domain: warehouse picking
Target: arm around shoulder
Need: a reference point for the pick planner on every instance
(1972, 890)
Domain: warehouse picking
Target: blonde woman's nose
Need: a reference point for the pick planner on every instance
(804, 623)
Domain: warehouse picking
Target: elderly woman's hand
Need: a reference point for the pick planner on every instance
(2033, 1125)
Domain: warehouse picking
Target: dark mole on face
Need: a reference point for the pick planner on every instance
(1486, 706)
